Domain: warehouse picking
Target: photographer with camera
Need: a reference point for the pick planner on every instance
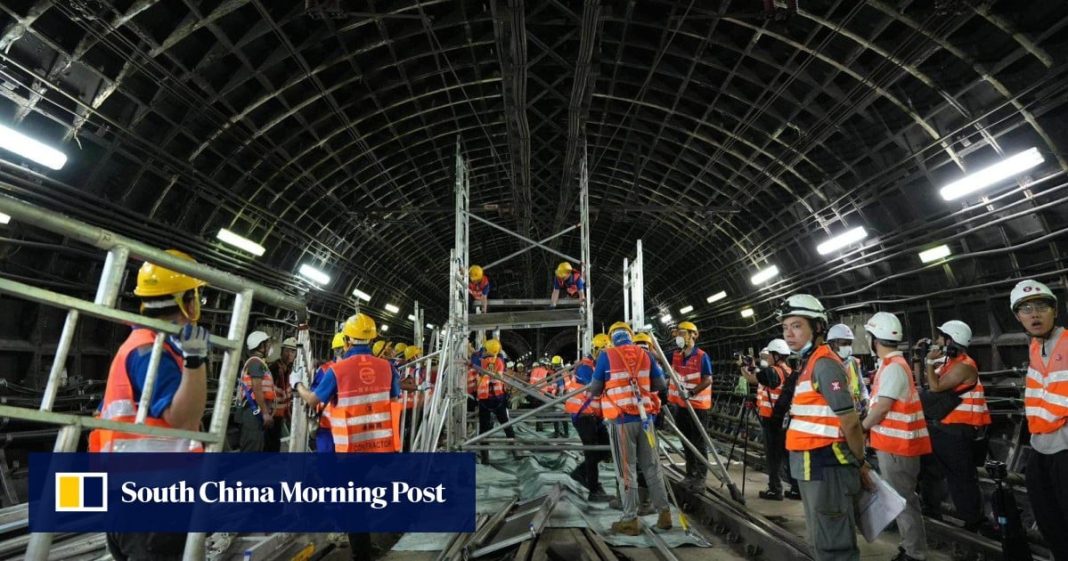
(771, 376)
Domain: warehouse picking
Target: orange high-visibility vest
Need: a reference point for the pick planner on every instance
(489, 387)
(689, 371)
(903, 431)
(413, 399)
(472, 382)
(266, 382)
(537, 376)
(574, 403)
(972, 409)
(813, 424)
(766, 397)
(628, 363)
(364, 418)
(119, 405)
(1046, 397)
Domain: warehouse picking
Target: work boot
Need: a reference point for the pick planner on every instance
(615, 503)
(902, 556)
(770, 495)
(794, 494)
(631, 527)
(646, 508)
(664, 520)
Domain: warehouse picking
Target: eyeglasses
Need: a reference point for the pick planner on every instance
(1034, 307)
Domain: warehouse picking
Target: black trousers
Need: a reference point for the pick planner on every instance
(487, 410)
(146, 546)
(360, 547)
(952, 467)
(695, 468)
(272, 437)
(775, 453)
(1047, 489)
(592, 432)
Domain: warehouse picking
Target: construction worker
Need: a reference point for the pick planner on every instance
(556, 387)
(280, 369)
(179, 395)
(898, 431)
(398, 355)
(587, 417)
(953, 438)
(492, 393)
(361, 391)
(627, 380)
(570, 281)
(644, 340)
(694, 368)
(256, 394)
(840, 339)
(324, 440)
(770, 377)
(478, 287)
(1046, 407)
(824, 437)
(414, 399)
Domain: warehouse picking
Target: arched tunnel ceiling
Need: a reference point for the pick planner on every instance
(723, 139)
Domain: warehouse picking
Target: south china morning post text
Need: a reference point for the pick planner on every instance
(287, 492)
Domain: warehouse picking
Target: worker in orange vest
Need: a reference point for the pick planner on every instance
(324, 439)
(1046, 407)
(898, 431)
(825, 437)
(570, 281)
(770, 376)
(694, 368)
(627, 379)
(538, 373)
(179, 395)
(256, 394)
(588, 419)
(478, 287)
(280, 370)
(492, 393)
(361, 391)
(954, 437)
(561, 429)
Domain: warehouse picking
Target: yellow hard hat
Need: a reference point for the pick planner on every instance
(475, 272)
(493, 347)
(557, 360)
(411, 352)
(563, 269)
(620, 325)
(643, 338)
(601, 340)
(378, 347)
(400, 348)
(154, 281)
(688, 326)
(338, 342)
(360, 327)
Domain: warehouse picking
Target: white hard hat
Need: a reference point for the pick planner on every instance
(840, 331)
(884, 326)
(958, 331)
(510, 364)
(289, 343)
(778, 346)
(255, 338)
(1029, 290)
(804, 305)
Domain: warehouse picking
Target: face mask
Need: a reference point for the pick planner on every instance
(763, 363)
(806, 348)
(845, 352)
(680, 342)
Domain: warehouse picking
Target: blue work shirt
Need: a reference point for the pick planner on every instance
(168, 378)
(601, 373)
(584, 373)
(706, 363)
(326, 390)
(569, 280)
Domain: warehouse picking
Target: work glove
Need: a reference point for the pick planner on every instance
(193, 342)
(296, 377)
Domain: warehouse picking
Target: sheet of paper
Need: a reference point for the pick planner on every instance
(877, 509)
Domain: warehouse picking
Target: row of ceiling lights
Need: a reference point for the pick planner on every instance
(971, 183)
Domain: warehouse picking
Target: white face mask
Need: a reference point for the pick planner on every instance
(845, 352)
(763, 363)
(680, 342)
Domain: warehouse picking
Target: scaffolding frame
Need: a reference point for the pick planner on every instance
(120, 250)
(634, 290)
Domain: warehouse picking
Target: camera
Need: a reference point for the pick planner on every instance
(997, 471)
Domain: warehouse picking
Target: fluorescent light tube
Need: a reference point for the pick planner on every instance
(4, 219)
(430, 326)
(848, 237)
(385, 328)
(935, 253)
(15, 141)
(717, 296)
(747, 313)
(665, 319)
(392, 309)
(765, 275)
(239, 242)
(1009, 167)
(314, 275)
(686, 310)
(411, 317)
(361, 295)
(647, 327)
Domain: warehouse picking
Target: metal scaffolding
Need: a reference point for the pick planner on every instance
(119, 251)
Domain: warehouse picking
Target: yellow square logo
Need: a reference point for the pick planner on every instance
(81, 492)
